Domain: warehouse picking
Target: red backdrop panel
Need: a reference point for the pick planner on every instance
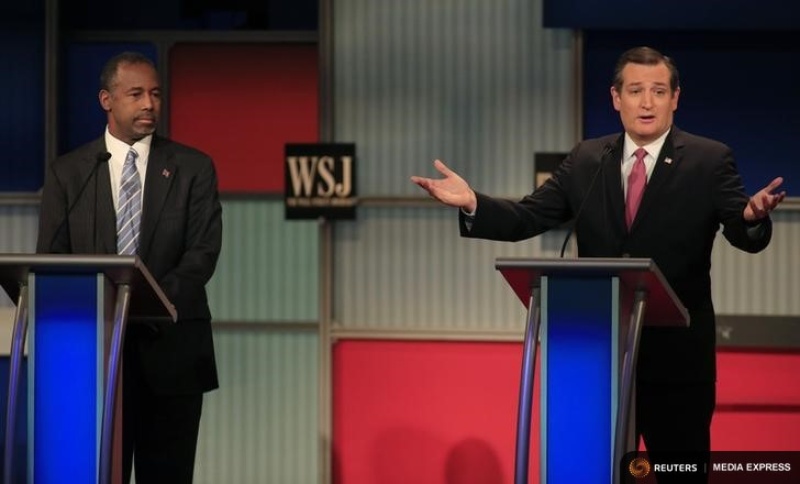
(748, 377)
(241, 103)
(755, 430)
(758, 401)
(426, 412)
(445, 412)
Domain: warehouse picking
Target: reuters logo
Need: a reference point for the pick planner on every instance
(639, 467)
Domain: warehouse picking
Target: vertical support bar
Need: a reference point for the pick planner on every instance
(326, 316)
(578, 368)
(326, 343)
(17, 350)
(163, 47)
(624, 415)
(52, 48)
(526, 388)
(110, 400)
(64, 400)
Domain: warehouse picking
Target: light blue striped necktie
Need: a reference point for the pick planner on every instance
(129, 210)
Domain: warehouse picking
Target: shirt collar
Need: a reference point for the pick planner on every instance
(115, 145)
(653, 149)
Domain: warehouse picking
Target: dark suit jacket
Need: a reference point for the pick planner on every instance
(179, 242)
(685, 202)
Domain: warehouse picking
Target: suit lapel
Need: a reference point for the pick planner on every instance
(666, 164)
(158, 180)
(106, 217)
(102, 229)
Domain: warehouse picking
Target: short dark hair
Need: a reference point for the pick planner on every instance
(109, 72)
(646, 56)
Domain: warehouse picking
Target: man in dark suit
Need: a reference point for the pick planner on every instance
(653, 191)
(133, 192)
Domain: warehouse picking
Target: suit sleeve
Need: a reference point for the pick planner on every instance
(203, 242)
(731, 200)
(546, 207)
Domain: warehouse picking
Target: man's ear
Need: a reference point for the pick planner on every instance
(675, 96)
(105, 99)
(615, 98)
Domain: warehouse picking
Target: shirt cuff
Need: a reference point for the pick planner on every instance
(755, 230)
(469, 218)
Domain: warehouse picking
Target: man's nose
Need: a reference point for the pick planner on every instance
(647, 99)
(148, 101)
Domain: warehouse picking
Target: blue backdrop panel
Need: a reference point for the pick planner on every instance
(67, 379)
(672, 15)
(192, 14)
(82, 119)
(579, 378)
(22, 104)
(737, 87)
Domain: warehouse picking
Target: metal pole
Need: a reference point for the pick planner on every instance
(17, 349)
(110, 400)
(526, 389)
(628, 374)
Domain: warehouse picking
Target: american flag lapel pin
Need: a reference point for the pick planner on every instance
(667, 160)
(166, 173)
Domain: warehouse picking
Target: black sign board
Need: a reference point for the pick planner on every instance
(320, 181)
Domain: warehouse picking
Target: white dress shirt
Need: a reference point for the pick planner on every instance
(119, 150)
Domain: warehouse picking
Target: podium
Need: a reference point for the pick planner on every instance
(587, 315)
(76, 307)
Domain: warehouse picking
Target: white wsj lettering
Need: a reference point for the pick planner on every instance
(303, 170)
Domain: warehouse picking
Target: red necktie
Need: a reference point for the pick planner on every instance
(636, 183)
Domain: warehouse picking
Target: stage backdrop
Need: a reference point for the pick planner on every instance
(445, 412)
(737, 87)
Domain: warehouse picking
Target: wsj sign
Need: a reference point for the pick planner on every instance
(320, 181)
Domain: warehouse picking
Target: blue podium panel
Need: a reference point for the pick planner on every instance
(580, 355)
(65, 389)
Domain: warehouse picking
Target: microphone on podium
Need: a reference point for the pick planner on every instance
(100, 158)
(606, 151)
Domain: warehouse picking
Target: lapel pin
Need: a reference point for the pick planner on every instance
(166, 173)
(667, 160)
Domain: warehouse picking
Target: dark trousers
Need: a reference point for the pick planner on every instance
(159, 431)
(674, 420)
